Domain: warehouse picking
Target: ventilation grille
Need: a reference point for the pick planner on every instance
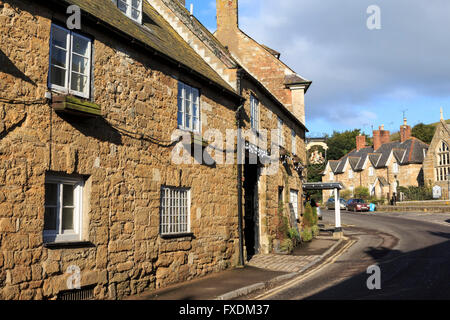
(86, 293)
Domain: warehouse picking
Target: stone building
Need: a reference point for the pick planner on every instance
(270, 104)
(436, 166)
(90, 193)
(382, 167)
(87, 180)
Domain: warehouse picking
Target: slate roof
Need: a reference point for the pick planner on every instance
(155, 33)
(410, 151)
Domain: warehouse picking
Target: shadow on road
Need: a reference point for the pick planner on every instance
(419, 274)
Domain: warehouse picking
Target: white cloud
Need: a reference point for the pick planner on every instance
(328, 42)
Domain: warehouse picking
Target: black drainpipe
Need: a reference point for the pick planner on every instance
(239, 169)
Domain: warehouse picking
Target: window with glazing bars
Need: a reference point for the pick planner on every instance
(188, 108)
(294, 142)
(175, 211)
(254, 113)
(70, 62)
(443, 162)
(131, 8)
(280, 132)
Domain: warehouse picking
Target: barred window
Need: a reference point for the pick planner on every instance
(175, 211)
(443, 162)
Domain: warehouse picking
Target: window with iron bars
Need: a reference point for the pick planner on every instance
(175, 211)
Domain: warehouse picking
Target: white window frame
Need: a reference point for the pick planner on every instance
(294, 142)
(182, 108)
(350, 173)
(60, 235)
(371, 171)
(442, 162)
(293, 198)
(280, 132)
(331, 175)
(128, 13)
(66, 89)
(395, 168)
(254, 113)
(175, 202)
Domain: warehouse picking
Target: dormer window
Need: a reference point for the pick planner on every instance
(131, 8)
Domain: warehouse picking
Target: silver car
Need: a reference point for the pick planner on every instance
(330, 204)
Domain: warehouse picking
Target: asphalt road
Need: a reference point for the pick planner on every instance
(413, 256)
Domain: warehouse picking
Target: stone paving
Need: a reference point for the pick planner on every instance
(285, 263)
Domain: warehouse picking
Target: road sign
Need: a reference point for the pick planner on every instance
(437, 192)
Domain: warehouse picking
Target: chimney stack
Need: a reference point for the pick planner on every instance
(385, 135)
(227, 14)
(360, 142)
(405, 131)
(376, 139)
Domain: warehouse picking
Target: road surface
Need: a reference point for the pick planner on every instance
(413, 256)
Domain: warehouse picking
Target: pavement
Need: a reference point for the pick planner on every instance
(261, 272)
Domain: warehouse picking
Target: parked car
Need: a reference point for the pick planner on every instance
(357, 205)
(330, 204)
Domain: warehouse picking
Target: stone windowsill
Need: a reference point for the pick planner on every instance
(68, 245)
(179, 235)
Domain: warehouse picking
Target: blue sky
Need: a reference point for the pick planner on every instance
(361, 78)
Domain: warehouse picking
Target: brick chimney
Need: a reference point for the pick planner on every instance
(227, 14)
(360, 142)
(405, 131)
(376, 139)
(385, 135)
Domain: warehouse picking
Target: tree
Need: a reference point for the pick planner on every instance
(424, 132)
(341, 143)
(362, 193)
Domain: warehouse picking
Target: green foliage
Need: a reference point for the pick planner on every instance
(315, 230)
(346, 194)
(310, 216)
(417, 193)
(362, 193)
(286, 245)
(341, 143)
(307, 235)
(376, 201)
(293, 234)
(424, 132)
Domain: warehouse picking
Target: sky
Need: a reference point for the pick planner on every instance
(362, 78)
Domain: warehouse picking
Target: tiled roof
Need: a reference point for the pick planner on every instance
(410, 151)
(154, 32)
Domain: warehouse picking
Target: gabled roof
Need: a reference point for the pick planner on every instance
(410, 151)
(155, 34)
(354, 162)
(374, 158)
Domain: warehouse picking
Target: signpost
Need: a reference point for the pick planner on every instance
(437, 192)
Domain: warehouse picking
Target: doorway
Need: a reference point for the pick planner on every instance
(251, 209)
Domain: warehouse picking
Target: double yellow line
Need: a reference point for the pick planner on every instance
(297, 280)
